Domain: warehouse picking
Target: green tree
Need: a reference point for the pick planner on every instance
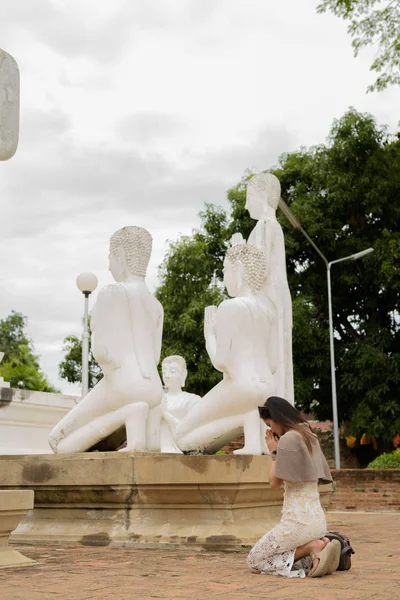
(373, 22)
(70, 368)
(346, 195)
(20, 364)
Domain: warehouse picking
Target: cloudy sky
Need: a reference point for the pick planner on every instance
(136, 112)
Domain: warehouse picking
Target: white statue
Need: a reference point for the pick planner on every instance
(176, 403)
(3, 383)
(9, 106)
(241, 336)
(126, 342)
(263, 195)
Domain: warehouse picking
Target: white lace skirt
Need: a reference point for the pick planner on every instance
(303, 520)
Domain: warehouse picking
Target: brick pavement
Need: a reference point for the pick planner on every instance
(93, 573)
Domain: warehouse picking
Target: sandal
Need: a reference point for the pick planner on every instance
(329, 559)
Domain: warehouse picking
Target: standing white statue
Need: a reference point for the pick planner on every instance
(126, 342)
(241, 338)
(176, 403)
(3, 383)
(9, 106)
(263, 195)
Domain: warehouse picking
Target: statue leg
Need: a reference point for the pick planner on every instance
(252, 434)
(221, 412)
(89, 408)
(226, 399)
(153, 425)
(135, 423)
(168, 445)
(87, 436)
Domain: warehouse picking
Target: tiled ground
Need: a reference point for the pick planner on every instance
(87, 573)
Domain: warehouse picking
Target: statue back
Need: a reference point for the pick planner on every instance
(252, 332)
(126, 322)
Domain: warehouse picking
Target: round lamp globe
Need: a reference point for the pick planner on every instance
(86, 282)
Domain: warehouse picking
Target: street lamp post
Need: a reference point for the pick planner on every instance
(87, 283)
(296, 224)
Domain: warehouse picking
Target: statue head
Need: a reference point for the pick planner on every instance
(174, 372)
(244, 266)
(263, 194)
(130, 251)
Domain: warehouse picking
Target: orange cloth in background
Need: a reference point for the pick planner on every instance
(350, 441)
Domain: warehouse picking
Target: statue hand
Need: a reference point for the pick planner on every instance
(210, 320)
(237, 240)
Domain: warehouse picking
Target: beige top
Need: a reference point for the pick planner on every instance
(295, 463)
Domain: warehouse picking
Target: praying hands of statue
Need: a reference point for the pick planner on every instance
(210, 321)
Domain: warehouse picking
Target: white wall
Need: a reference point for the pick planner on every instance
(26, 419)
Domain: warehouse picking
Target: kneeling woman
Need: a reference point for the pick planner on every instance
(296, 545)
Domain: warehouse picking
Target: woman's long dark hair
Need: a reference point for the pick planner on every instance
(282, 412)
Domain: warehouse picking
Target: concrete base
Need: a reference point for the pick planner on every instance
(13, 507)
(146, 500)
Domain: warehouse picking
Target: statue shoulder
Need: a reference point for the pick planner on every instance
(112, 289)
(233, 305)
(232, 312)
(110, 293)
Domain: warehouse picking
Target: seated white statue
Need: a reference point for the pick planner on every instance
(241, 337)
(263, 195)
(126, 342)
(176, 403)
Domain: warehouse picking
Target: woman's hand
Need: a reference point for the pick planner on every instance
(271, 440)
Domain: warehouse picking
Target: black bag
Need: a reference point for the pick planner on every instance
(347, 550)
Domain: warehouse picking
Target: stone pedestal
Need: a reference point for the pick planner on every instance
(145, 500)
(14, 504)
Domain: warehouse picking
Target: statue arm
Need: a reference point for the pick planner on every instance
(261, 238)
(171, 420)
(225, 322)
(142, 341)
(158, 336)
(100, 333)
(210, 319)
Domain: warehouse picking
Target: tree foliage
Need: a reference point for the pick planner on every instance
(346, 195)
(70, 368)
(387, 460)
(373, 22)
(20, 364)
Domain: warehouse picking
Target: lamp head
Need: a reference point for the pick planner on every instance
(358, 255)
(86, 282)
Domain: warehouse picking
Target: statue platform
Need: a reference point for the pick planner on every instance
(145, 500)
(14, 504)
